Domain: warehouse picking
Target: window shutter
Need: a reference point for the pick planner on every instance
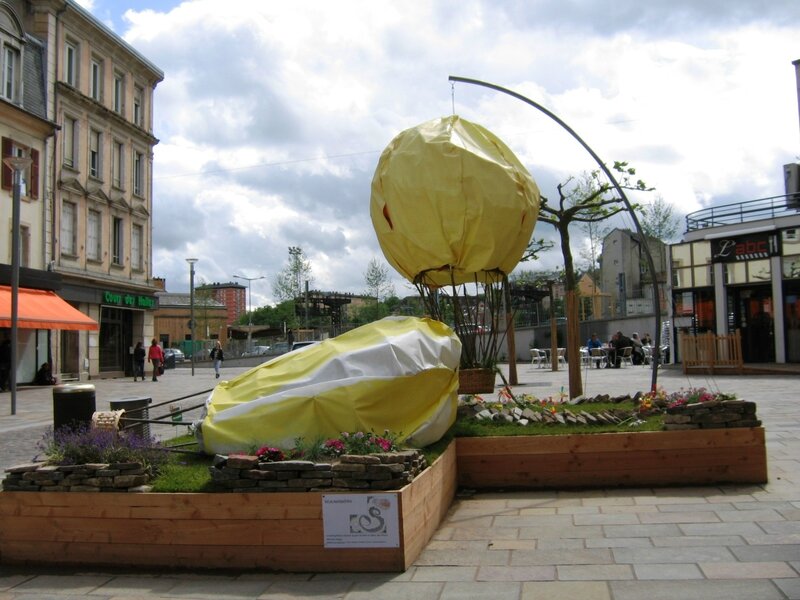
(34, 182)
(7, 174)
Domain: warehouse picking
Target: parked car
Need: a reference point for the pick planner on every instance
(256, 351)
(303, 344)
(172, 356)
(279, 348)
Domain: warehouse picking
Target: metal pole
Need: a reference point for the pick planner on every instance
(617, 187)
(191, 262)
(17, 164)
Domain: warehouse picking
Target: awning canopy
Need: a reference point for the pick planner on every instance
(42, 309)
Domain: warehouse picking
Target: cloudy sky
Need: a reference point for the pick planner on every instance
(272, 115)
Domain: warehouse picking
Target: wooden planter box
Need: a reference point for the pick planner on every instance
(284, 531)
(658, 458)
(275, 531)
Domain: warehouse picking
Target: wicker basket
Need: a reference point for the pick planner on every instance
(475, 381)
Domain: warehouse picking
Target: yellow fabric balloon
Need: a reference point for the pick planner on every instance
(450, 201)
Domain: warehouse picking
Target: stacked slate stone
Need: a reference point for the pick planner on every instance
(385, 471)
(714, 414)
(39, 477)
(511, 413)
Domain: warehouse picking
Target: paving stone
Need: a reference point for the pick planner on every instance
(747, 570)
(559, 543)
(635, 542)
(764, 515)
(78, 584)
(680, 517)
(781, 552)
(392, 589)
(762, 589)
(516, 573)
(672, 555)
(566, 590)
(640, 530)
(597, 556)
(721, 529)
(669, 572)
(462, 558)
(594, 572)
(447, 573)
(698, 540)
(556, 531)
(219, 588)
(790, 587)
(478, 590)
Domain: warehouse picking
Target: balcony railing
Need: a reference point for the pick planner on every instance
(743, 212)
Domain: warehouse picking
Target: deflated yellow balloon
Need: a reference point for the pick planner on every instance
(450, 201)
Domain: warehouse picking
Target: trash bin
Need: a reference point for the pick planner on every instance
(73, 404)
(135, 407)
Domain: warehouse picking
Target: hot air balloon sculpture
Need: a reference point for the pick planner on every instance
(454, 210)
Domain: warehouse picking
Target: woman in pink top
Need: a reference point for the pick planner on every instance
(156, 356)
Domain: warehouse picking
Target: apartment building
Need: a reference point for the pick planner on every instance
(78, 100)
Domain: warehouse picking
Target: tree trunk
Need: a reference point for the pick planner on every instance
(573, 343)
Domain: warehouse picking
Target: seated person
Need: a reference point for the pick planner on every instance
(594, 342)
(44, 376)
(647, 340)
(637, 354)
(618, 342)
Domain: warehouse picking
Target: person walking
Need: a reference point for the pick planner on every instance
(156, 356)
(217, 355)
(138, 360)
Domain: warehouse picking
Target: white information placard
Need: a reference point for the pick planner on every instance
(360, 521)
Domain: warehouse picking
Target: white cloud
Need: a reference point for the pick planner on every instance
(272, 115)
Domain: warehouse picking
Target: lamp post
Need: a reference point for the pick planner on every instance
(191, 262)
(17, 164)
(249, 281)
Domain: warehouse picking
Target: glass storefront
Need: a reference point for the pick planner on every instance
(116, 335)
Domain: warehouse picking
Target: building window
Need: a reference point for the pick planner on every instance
(10, 73)
(68, 228)
(30, 177)
(138, 105)
(691, 265)
(119, 165)
(138, 173)
(95, 154)
(24, 246)
(71, 64)
(137, 256)
(93, 236)
(119, 92)
(96, 85)
(69, 139)
(117, 243)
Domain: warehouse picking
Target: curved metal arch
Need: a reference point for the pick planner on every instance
(650, 263)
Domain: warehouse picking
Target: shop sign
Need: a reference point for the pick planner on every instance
(128, 300)
(746, 247)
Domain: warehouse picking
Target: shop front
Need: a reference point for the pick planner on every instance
(125, 317)
(745, 280)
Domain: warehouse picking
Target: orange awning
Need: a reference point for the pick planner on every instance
(42, 309)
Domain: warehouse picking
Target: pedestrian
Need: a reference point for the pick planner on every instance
(217, 356)
(5, 364)
(637, 354)
(138, 360)
(44, 376)
(156, 356)
(594, 343)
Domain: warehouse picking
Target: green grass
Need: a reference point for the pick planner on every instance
(189, 472)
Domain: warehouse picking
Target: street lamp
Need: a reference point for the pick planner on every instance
(249, 281)
(18, 165)
(191, 262)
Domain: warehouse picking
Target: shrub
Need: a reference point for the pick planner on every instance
(83, 444)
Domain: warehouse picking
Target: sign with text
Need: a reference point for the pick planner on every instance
(128, 300)
(360, 521)
(747, 247)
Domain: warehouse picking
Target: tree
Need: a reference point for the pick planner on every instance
(288, 283)
(658, 220)
(377, 280)
(584, 201)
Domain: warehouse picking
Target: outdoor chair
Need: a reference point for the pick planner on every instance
(538, 358)
(599, 357)
(627, 356)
